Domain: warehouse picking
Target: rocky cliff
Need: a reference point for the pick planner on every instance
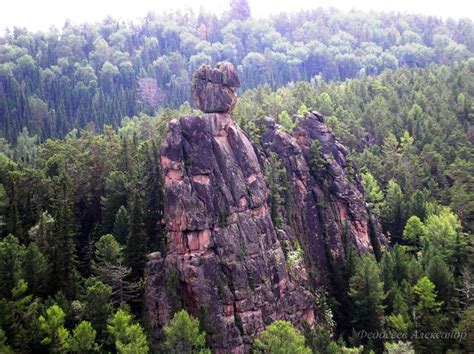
(327, 212)
(226, 262)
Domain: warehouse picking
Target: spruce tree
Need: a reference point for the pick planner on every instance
(137, 240)
(120, 229)
(367, 295)
(394, 213)
(63, 265)
(274, 173)
(154, 197)
(36, 270)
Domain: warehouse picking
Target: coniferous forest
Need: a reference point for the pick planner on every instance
(83, 113)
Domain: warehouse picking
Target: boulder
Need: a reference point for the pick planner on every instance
(214, 89)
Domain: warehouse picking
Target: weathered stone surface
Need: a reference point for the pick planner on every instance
(224, 259)
(214, 89)
(326, 208)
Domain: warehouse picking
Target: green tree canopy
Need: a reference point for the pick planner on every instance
(281, 338)
(182, 335)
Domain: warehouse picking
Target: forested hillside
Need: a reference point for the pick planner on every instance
(84, 111)
(54, 81)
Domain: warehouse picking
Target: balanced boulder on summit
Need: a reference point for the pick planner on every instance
(214, 89)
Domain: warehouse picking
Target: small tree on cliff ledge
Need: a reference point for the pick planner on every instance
(274, 175)
(281, 338)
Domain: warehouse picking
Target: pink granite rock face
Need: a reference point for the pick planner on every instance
(214, 89)
(223, 251)
(226, 263)
(328, 207)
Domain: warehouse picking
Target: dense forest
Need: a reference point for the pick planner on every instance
(54, 81)
(83, 112)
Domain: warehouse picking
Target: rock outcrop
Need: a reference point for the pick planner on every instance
(214, 89)
(224, 259)
(226, 263)
(328, 212)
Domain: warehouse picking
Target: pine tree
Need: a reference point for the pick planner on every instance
(427, 314)
(182, 335)
(439, 273)
(240, 9)
(414, 231)
(366, 293)
(97, 304)
(281, 337)
(317, 163)
(52, 325)
(115, 197)
(11, 259)
(128, 337)
(21, 318)
(108, 266)
(83, 339)
(373, 193)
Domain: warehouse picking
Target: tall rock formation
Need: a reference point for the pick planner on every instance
(225, 262)
(327, 212)
(224, 259)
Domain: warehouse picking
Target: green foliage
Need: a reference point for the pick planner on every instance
(466, 325)
(280, 337)
(108, 251)
(394, 214)
(399, 348)
(4, 347)
(83, 339)
(11, 259)
(137, 241)
(427, 310)
(442, 230)
(20, 318)
(100, 173)
(120, 229)
(367, 295)
(108, 266)
(319, 340)
(303, 110)
(112, 69)
(285, 121)
(317, 162)
(52, 325)
(97, 303)
(373, 194)
(128, 337)
(35, 270)
(294, 258)
(275, 175)
(182, 335)
(439, 273)
(414, 231)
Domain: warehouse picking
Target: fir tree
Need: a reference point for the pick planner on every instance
(137, 240)
(366, 293)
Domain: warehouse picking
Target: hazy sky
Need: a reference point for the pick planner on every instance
(40, 14)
